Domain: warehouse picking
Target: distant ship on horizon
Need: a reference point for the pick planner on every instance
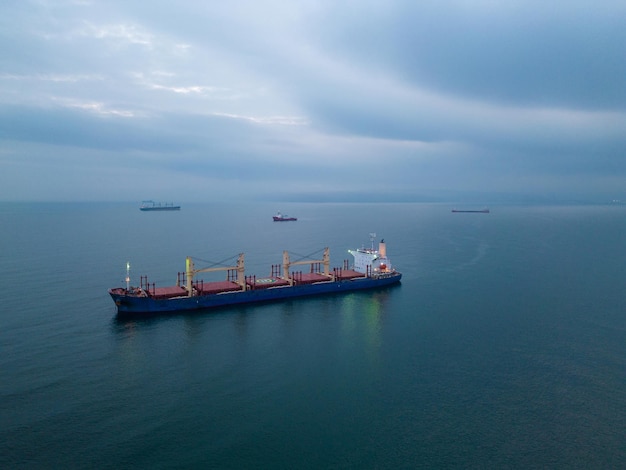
(158, 206)
(481, 211)
(283, 217)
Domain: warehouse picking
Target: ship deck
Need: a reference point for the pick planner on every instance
(252, 283)
(265, 282)
(309, 278)
(347, 274)
(167, 292)
(215, 287)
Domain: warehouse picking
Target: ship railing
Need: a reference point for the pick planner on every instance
(250, 282)
(276, 270)
(145, 285)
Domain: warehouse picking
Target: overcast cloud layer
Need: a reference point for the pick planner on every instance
(199, 100)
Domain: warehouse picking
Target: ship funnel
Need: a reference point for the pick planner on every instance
(382, 249)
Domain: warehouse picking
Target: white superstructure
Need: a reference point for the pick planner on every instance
(370, 261)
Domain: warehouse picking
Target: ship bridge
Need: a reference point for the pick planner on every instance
(370, 261)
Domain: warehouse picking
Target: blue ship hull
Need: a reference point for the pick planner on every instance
(132, 304)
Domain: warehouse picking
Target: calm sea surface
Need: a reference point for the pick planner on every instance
(504, 346)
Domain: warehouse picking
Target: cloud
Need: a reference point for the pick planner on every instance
(314, 98)
(530, 53)
(120, 33)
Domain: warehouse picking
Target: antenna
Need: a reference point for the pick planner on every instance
(127, 275)
(372, 237)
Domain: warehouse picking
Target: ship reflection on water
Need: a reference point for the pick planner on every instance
(357, 314)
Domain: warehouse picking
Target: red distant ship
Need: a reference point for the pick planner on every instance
(283, 218)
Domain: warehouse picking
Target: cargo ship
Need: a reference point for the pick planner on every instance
(283, 218)
(371, 269)
(158, 206)
(478, 211)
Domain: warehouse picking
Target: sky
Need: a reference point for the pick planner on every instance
(312, 100)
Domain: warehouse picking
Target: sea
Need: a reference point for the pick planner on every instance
(504, 346)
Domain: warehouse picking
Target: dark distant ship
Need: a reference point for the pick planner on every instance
(480, 211)
(283, 218)
(158, 206)
(371, 269)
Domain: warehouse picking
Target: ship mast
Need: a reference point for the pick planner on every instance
(372, 238)
(325, 261)
(127, 275)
